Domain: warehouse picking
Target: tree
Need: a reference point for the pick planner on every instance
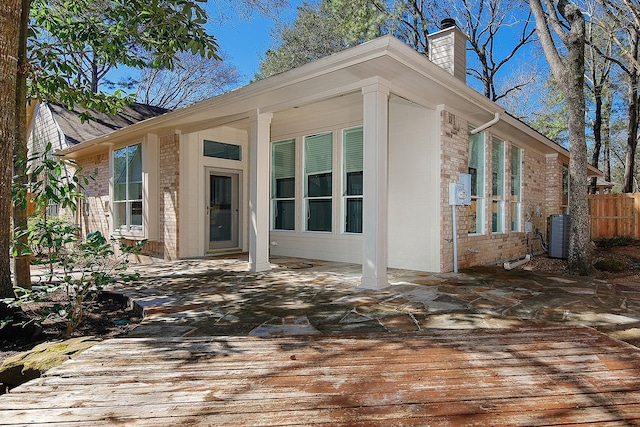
(497, 30)
(21, 270)
(134, 33)
(625, 33)
(567, 22)
(193, 79)
(10, 12)
(495, 34)
(314, 34)
(551, 117)
(598, 78)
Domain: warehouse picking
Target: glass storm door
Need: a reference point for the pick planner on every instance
(222, 210)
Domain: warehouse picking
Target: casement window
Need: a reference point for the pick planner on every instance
(565, 189)
(497, 185)
(516, 188)
(283, 185)
(476, 170)
(352, 179)
(127, 188)
(318, 181)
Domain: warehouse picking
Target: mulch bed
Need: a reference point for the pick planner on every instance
(110, 315)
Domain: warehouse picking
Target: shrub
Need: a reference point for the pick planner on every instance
(81, 273)
(610, 265)
(614, 241)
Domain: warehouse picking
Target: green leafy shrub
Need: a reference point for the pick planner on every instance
(614, 241)
(81, 273)
(610, 265)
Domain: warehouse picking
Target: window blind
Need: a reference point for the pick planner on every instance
(353, 152)
(284, 159)
(318, 150)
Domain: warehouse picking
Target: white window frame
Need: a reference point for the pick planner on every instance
(274, 198)
(498, 185)
(129, 230)
(566, 188)
(479, 197)
(345, 196)
(516, 190)
(306, 198)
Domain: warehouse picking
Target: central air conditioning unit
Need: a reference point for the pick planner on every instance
(559, 236)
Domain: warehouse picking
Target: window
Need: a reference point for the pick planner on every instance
(53, 209)
(516, 188)
(283, 185)
(127, 188)
(565, 189)
(497, 185)
(476, 169)
(352, 179)
(318, 161)
(221, 150)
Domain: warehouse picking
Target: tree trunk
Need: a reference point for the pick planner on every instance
(10, 11)
(606, 136)
(632, 127)
(568, 70)
(580, 236)
(597, 134)
(21, 263)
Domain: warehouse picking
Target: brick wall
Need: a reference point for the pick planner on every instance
(95, 216)
(169, 185)
(539, 200)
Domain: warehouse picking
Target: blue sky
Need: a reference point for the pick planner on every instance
(244, 41)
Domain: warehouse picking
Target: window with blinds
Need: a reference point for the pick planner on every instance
(318, 165)
(283, 185)
(352, 154)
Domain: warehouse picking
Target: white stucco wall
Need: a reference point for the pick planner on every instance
(193, 179)
(414, 187)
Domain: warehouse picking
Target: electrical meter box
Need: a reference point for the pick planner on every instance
(460, 192)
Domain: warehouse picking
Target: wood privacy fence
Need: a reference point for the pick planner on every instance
(615, 215)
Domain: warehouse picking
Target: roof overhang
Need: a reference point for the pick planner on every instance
(385, 61)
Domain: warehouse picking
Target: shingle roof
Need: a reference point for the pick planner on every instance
(101, 123)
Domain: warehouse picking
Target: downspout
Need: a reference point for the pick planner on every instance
(490, 123)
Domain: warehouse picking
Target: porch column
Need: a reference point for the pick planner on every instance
(259, 140)
(374, 216)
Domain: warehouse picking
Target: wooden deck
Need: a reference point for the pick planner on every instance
(552, 376)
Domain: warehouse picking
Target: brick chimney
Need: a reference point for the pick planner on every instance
(448, 49)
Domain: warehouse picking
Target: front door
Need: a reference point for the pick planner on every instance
(222, 210)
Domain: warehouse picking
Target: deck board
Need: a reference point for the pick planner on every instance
(549, 376)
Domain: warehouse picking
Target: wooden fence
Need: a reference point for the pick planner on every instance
(615, 215)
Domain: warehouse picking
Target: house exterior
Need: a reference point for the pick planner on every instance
(61, 127)
(348, 158)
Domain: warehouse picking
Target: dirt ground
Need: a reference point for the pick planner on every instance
(108, 316)
(623, 256)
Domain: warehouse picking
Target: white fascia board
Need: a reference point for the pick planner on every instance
(343, 59)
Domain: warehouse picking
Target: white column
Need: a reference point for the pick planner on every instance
(259, 142)
(374, 222)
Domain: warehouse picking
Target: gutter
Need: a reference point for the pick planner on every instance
(490, 123)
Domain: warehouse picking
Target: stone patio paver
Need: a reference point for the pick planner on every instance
(218, 296)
